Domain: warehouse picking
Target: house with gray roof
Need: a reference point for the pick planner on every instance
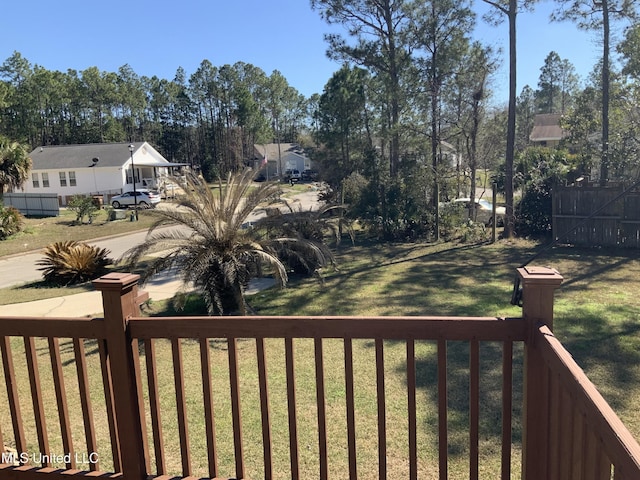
(95, 169)
(280, 157)
(547, 131)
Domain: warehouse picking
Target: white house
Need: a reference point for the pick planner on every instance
(280, 157)
(95, 169)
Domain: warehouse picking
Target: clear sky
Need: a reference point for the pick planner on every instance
(156, 37)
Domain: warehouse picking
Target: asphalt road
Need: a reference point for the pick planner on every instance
(21, 269)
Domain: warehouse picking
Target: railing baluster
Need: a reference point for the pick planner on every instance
(591, 462)
(12, 395)
(443, 442)
(382, 414)
(1, 443)
(507, 408)
(36, 397)
(350, 402)
(135, 351)
(411, 409)
(181, 407)
(85, 400)
(578, 442)
(474, 407)
(264, 409)
(107, 383)
(322, 412)
(603, 468)
(61, 400)
(207, 392)
(154, 405)
(566, 434)
(234, 380)
(554, 428)
(291, 404)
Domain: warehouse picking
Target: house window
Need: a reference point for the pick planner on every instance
(129, 177)
(45, 180)
(63, 179)
(72, 179)
(35, 181)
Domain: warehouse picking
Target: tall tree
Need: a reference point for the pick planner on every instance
(630, 50)
(479, 65)
(525, 114)
(379, 29)
(556, 85)
(441, 29)
(341, 119)
(549, 83)
(510, 9)
(276, 87)
(597, 16)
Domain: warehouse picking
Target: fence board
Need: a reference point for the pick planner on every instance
(36, 204)
(616, 225)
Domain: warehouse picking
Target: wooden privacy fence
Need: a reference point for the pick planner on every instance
(237, 409)
(618, 225)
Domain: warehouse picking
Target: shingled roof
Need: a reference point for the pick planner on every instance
(80, 156)
(546, 128)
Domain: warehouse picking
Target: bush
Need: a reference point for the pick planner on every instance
(84, 207)
(72, 262)
(542, 169)
(11, 221)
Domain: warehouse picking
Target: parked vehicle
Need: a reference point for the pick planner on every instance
(309, 175)
(484, 210)
(291, 175)
(146, 199)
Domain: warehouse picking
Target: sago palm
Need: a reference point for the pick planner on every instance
(208, 246)
(70, 262)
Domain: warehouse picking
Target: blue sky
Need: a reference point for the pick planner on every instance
(156, 37)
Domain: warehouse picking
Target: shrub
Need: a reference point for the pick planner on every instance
(11, 221)
(71, 262)
(84, 207)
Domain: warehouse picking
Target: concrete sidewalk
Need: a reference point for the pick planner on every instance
(89, 304)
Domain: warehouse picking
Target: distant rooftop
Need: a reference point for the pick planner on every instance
(546, 128)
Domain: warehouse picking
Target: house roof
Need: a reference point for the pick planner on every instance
(546, 127)
(108, 155)
(271, 150)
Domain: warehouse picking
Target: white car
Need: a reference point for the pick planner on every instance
(146, 199)
(484, 210)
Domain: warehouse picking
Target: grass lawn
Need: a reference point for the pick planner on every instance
(42, 231)
(597, 316)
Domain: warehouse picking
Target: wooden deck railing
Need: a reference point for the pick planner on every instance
(300, 397)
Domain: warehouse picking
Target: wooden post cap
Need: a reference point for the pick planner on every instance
(542, 276)
(116, 281)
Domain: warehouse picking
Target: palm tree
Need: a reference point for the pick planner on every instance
(311, 227)
(14, 164)
(210, 246)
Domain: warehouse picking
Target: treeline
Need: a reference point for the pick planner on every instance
(211, 119)
(405, 123)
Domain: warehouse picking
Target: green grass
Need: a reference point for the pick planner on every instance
(596, 318)
(40, 232)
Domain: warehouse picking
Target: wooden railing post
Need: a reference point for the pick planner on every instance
(120, 301)
(538, 287)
